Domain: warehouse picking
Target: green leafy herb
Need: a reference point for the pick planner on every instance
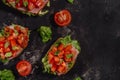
(48, 4)
(67, 40)
(77, 78)
(45, 33)
(25, 3)
(15, 48)
(70, 1)
(6, 44)
(46, 64)
(69, 56)
(57, 52)
(76, 44)
(8, 54)
(6, 75)
(41, 13)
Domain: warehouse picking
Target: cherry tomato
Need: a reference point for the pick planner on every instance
(24, 68)
(62, 18)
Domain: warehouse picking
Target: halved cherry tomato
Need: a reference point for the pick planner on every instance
(62, 18)
(24, 68)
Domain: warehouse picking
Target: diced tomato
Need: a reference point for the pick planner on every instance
(2, 56)
(10, 37)
(7, 49)
(25, 31)
(53, 68)
(20, 39)
(56, 59)
(11, 31)
(39, 3)
(17, 28)
(2, 38)
(54, 49)
(33, 1)
(60, 47)
(68, 48)
(63, 64)
(50, 56)
(31, 6)
(20, 35)
(2, 44)
(6, 28)
(20, 42)
(60, 69)
(1, 50)
(61, 54)
(52, 61)
(14, 54)
(68, 59)
(19, 4)
(13, 42)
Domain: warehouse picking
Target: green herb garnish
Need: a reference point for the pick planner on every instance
(45, 33)
(57, 52)
(25, 3)
(6, 75)
(77, 78)
(69, 56)
(70, 1)
(8, 54)
(67, 40)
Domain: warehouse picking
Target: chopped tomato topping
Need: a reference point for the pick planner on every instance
(59, 57)
(15, 39)
(29, 4)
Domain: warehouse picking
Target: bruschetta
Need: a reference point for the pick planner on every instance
(61, 57)
(30, 7)
(13, 40)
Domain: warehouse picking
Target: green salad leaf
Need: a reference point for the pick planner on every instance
(67, 40)
(45, 33)
(77, 78)
(6, 75)
(70, 1)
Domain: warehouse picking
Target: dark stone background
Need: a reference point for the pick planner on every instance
(95, 24)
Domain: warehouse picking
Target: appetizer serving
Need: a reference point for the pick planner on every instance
(13, 39)
(30, 7)
(62, 18)
(24, 68)
(61, 57)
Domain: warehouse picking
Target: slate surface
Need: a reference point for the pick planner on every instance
(95, 24)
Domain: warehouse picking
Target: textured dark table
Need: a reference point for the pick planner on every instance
(95, 24)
